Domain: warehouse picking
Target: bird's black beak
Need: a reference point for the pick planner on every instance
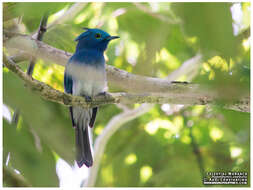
(112, 37)
(85, 28)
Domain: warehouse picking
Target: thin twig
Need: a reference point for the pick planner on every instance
(39, 37)
(197, 153)
(42, 29)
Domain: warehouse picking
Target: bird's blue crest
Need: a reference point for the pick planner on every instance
(90, 31)
(82, 35)
(93, 39)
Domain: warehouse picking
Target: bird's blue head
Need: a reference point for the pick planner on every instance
(94, 39)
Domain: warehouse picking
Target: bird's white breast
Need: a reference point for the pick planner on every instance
(87, 79)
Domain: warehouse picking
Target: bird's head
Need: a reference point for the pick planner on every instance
(94, 39)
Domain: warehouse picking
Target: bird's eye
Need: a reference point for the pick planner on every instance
(97, 35)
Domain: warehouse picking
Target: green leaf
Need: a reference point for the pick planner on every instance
(38, 167)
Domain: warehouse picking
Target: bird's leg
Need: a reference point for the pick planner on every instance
(87, 98)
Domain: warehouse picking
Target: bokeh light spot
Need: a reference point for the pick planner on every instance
(216, 133)
(130, 159)
(145, 173)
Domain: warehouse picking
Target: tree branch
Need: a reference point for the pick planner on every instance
(170, 92)
(116, 77)
(24, 46)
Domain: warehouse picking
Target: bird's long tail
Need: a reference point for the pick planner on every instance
(83, 150)
(81, 119)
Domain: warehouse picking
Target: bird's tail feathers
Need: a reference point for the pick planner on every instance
(83, 149)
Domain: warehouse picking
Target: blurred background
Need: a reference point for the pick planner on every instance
(166, 145)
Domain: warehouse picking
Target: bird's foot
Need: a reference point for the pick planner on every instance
(102, 94)
(87, 98)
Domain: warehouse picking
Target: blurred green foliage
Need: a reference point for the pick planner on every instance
(154, 149)
(211, 23)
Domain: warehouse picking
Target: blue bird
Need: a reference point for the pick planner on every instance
(85, 76)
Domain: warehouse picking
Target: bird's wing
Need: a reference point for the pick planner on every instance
(68, 85)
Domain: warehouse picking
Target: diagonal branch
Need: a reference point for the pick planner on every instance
(116, 77)
(173, 93)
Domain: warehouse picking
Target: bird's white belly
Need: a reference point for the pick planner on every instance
(89, 81)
